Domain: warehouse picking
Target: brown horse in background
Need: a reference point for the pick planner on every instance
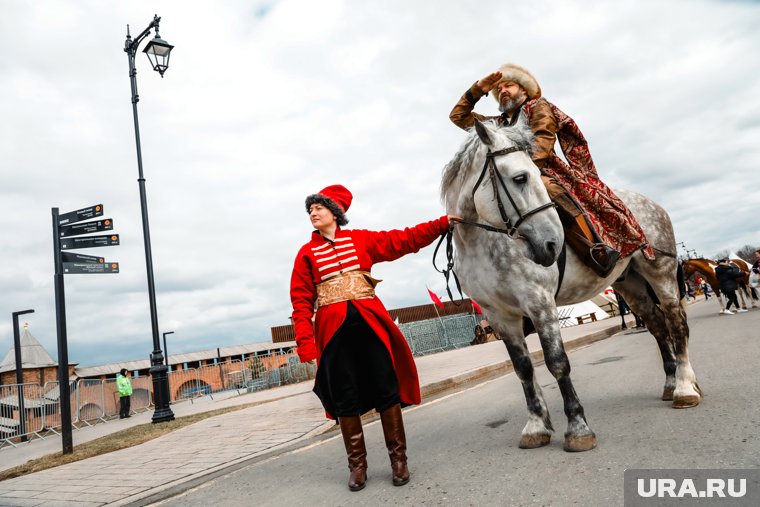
(706, 267)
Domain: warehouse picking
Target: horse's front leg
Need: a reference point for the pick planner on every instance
(578, 436)
(538, 430)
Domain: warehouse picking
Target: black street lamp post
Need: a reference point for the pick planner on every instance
(158, 54)
(166, 350)
(19, 373)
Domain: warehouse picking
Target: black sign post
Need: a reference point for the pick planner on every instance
(64, 395)
(66, 229)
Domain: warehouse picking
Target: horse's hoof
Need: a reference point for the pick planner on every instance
(667, 393)
(581, 443)
(689, 401)
(535, 441)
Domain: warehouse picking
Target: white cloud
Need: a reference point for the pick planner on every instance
(266, 102)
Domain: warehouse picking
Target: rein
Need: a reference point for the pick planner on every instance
(511, 229)
(663, 252)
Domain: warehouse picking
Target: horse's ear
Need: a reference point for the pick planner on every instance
(483, 133)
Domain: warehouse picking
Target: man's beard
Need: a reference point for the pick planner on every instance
(510, 105)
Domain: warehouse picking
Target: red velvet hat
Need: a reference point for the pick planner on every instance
(336, 198)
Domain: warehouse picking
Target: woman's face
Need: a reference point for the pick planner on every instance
(321, 217)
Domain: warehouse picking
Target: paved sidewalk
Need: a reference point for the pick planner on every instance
(285, 416)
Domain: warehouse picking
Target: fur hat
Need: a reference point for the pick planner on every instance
(521, 76)
(336, 198)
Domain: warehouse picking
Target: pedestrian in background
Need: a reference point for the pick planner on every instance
(623, 308)
(125, 393)
(705, 288)
(364, 361)
(689, 293)
(726, 275)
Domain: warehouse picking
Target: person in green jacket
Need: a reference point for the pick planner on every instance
(125, 392)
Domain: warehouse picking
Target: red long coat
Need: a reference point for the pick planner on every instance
(370, 247)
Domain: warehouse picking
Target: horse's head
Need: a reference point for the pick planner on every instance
(493, 180)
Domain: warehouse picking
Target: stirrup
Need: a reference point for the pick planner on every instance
(610, 253)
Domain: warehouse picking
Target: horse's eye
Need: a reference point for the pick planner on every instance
(520, 179)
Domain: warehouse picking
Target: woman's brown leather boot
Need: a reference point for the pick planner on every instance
(395, 441)
(353, 438)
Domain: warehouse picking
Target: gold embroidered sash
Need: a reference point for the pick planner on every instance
(346, 287)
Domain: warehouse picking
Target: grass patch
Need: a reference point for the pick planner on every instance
(122, 439)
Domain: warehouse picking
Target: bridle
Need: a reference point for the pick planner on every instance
(497, 180)
(511, 229)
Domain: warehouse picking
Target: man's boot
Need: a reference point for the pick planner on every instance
(578, 232)
(395, 442)
(603, 259)
(353, 438)
(597, 256)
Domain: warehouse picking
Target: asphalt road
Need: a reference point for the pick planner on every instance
(463, 446)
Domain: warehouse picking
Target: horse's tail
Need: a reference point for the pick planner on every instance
(681, 287)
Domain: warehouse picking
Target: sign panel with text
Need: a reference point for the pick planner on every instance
(85, 228)
(74, 257)
(89, 242)
(87, 213)
(89, 268)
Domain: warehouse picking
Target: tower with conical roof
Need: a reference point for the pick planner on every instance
(37, 365)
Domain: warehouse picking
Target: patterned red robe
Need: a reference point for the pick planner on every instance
(611, 218)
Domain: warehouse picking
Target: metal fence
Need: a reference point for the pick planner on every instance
(16, 399)
(436, 335)
(272, 370)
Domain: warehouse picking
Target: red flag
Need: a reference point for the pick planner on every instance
(435, 299)
(476, 307)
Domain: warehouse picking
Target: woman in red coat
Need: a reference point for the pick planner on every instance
(364, 360)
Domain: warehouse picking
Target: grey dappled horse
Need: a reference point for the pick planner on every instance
(515, 274)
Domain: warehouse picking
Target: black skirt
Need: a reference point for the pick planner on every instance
(355, 371)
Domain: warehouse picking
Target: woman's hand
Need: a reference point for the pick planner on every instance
(454, 219)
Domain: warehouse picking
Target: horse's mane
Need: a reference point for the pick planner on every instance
(519, 135)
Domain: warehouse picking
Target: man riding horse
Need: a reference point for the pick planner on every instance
(598, 226)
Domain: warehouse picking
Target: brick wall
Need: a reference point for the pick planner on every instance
(34, 375)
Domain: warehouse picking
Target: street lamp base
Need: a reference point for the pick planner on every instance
(162, 415)
(161, 395)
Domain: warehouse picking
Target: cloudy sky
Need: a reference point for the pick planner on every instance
(266, 102)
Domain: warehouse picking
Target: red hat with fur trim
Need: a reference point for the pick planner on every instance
(336, 198)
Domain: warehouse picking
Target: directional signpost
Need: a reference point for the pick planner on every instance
(67, 228)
